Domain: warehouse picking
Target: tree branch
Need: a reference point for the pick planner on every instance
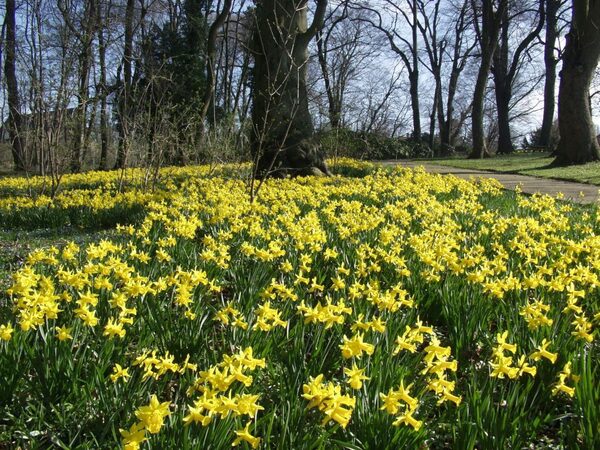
(316, 24)
(527, 41)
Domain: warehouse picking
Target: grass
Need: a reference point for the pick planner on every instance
(533, 164)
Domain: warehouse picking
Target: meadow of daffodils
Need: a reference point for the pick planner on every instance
(392, 310)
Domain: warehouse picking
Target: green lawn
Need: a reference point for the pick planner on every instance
(534, 164)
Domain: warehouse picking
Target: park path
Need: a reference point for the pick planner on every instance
(529, 185)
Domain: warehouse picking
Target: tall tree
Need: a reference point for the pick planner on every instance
(550, 63)
(578, 143)
(448, 39)
(281, 122)
(435, 47)
(12, 87)
(334, 91)
(84, 30)
(211, 50)
(103, 12)
(490, 13)
(406, 48)
(505, 69)
(125, 93)
(344, 46)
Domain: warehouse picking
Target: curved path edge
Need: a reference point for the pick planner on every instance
(575, 192)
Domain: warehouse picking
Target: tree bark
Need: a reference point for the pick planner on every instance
(446, 134)
(413, 78)
(12, 87)
(550, 63)
(479, 143)
(578, 143)
(433, 116)
(446, 131)
(282, 125)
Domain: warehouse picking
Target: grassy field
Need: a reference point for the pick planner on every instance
(534, 164)
(383, 310)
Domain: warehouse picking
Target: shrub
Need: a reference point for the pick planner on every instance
(363, 145)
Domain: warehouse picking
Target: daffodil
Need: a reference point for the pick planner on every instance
(6, 332)
(63, 333)
(244, 435)
(133, 437)
(119, 372)
(355, 376)
(541, 352)
(153, 415)
(356, 346)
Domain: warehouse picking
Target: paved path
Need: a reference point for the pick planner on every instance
(529, 185)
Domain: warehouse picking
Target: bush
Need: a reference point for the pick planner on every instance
(531, 142)
(371, 146)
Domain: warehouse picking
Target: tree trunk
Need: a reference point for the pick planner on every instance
(446, 134)
(211, 52)
(84, 31)
(442, 149)
(479, 142)
(81, 109)
(550, 63)
(578, 143)
(503, 88)
(12, 88)
(332, 105)
(413, 78)
(433, 115)
(488, 41)
(126, 89)
(104, 125)
(459, 62)
(282, 125)
(505, 145)
(414, 75)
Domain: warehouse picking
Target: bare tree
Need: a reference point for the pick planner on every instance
(442, 44)
(12, 87)
(103, 89)
(504, 71)
(210, 58)
(344, 48)
(489, 15)
(550, 63)
(83, 28)
(126, 90)
(401, 15)
(378, 114)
